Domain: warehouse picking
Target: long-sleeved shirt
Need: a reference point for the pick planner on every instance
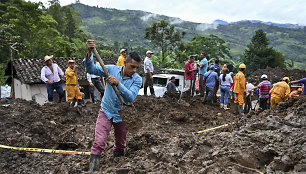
(239, 83)
(280, 90)
(71, 78)
(128, 87)
(46, 74)
(92, 76)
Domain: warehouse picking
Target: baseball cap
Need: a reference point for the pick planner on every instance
(264, 76)
(149, 52)
(123, 50)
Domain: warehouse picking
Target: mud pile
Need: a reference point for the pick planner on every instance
(277, 74)
(269, 141)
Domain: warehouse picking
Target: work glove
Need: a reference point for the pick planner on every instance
(90, 83)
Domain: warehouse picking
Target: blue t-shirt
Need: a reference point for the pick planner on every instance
(303, 80)
(211, 79)
(203, 70)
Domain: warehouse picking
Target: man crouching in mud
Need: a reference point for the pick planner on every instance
(128, 83)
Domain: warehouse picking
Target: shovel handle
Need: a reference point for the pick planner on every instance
(94, 50)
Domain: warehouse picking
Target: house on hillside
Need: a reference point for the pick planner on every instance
(29, 86)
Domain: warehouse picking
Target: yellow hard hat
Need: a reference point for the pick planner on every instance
(46, 58)
(242, 66)
(286, 79)
(224, 65)
(71, 61)
(122, 50)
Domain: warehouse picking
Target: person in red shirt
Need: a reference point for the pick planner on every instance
(189, 75)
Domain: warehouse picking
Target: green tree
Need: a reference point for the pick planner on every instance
(258, 54)
(164, 36)
(213, 46)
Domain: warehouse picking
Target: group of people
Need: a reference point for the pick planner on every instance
(128, 82)
(211, 78)
(50, 74)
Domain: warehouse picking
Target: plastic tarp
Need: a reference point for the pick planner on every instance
(5, 91)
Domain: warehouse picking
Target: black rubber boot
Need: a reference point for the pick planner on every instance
(94, 162)
(236, 109)
(118, 153)
(240, 109)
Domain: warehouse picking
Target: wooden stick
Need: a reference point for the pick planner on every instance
(107, 75)
(255, 170)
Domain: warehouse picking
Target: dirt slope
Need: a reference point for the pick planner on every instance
(271, 141)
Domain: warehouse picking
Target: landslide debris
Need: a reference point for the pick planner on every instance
(269, 141)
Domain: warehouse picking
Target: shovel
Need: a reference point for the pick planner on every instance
(128, 112)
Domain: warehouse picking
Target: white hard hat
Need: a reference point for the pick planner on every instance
(149, 52)
(264, 76)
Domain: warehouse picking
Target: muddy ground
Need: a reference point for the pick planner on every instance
(277, 74)
(269, 142)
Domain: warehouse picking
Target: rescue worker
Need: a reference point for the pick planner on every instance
(303, 81)
(280, 91)
(296, 93)
(121, 58)
(239, 89)
(202, 71)
(71, 84)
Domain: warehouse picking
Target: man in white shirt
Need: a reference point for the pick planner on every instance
(95, 81)
(148, 69)
(50, 75)
(248, 102)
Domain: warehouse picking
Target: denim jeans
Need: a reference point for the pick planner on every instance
(225, 90)
(59, 89)
(209, 93)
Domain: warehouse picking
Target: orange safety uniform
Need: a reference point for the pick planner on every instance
(279, 92)
(71, 85)
(120, 61)
(294, 93)
(239, 88)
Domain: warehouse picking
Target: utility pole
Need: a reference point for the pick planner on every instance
(12, 47)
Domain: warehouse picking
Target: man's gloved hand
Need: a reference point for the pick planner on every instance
(90, 83)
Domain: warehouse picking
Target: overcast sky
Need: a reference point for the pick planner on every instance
(206, 11)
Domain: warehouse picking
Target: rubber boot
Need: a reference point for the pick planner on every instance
(72, 103)
(118, 153)
(226, 108)
(236, 109)
(94, 162)
(221, 105)
(240, 109)
(81, 103)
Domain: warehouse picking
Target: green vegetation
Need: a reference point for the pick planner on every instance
(163, 35)
(258, 54)
(107, 29)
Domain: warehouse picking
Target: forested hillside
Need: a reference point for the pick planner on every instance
(126, 28)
